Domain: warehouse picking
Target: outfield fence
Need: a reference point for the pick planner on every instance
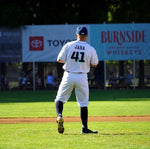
(105, 76)
(28, 55)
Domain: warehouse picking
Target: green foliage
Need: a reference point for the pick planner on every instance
(26, 12)
(12, 15)
(130, 10)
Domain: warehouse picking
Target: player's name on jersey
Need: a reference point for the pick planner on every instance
(79, 47)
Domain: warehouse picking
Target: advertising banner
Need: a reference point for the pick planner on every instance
(121, 41)
(42, 43)
(10, 45)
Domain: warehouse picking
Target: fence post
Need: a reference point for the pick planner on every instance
(134, 74)
(105, 75)
(33, 76)
(133, 66)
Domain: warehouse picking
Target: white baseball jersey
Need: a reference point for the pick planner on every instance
(78, 56)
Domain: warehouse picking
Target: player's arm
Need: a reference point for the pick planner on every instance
(60, 61)
(62, 55)
(94, 59)
(93, 65)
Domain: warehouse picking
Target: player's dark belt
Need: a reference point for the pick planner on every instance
(76, 72)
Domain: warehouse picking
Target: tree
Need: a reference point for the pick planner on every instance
(95, 12)
(129, 11)
(16, 13)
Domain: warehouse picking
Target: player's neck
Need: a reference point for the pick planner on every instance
(81, 40)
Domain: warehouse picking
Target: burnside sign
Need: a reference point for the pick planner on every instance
(121, 41)
(112, 41)
(121, 37)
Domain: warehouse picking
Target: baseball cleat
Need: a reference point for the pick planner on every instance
(60, 122)
(88, 131)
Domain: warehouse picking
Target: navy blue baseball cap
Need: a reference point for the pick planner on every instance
(81, 30)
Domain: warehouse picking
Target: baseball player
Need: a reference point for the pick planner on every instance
(77, 57)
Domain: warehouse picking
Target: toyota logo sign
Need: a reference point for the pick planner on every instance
(36, 43)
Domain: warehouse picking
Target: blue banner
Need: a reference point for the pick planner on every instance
(10, 45)
(121, 41)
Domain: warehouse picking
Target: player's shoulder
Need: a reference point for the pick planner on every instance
(90, 46)
(71, 42)
(68, 44)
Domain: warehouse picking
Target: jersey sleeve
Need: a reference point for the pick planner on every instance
(63, 53)
(94, 57)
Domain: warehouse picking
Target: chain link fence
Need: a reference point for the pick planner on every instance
(20, 76)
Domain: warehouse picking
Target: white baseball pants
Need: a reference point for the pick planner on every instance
(71, 81)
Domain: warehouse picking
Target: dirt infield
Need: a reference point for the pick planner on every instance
(74, 119)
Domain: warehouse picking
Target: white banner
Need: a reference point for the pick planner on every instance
(42, 43)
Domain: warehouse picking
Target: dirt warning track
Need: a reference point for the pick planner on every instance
(74, 119)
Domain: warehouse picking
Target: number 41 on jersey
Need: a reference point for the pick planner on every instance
(78, 56)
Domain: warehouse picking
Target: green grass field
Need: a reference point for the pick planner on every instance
(102, 103)
(47, 109)
(118, 135)
(112, 135)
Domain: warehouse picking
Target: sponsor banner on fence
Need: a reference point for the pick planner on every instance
(10, 45)
(121, 41)
(42, 43)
